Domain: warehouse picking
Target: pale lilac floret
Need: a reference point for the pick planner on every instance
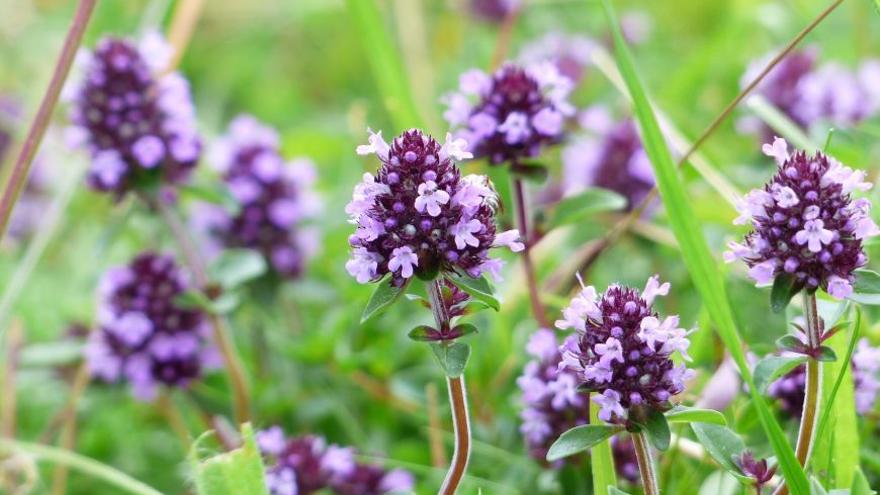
(464, 231)
(403, 259)
(814, 235)
(609, 402)
(430, 198)
(376, 145)
(511, 239)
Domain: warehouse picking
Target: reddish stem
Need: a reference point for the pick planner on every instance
(531, 279)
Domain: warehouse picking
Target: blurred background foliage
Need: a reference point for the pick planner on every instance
(301, 67)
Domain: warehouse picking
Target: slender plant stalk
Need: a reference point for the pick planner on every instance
(186, 16)
(435, 434)
(165, 405)
(502, 42)
(812, 389)
(610, 237)
(22, 167)
(9, 407)
(531, 279)
(457, 401)
(232, 360)
(646, 464)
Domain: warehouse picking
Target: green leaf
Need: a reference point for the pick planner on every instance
(602, 461)
(866, 288)
(826, 354)
(816, 488)
(213, 193)
(383, 297)
(769, 369)
(422, 333)
(478, 288)
(860, 484)
(703, 268)
(579, 207)
(196, 299)
(682, 414)
(784, 288)
(613, 490)
(722, 444)
(464, 329)
(452, 356)
(230, 473)
(579, 439)
(385, 62)
(532, 172)
(790, 343)
(657, 429)
(236, 266)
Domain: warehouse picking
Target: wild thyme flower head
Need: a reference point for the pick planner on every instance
(788, 391)
(305, 465)
(419, 216)
(609, 155)
(571, 53)
(138, 124)
(625, 462)
(806, 223)
(144, 337)
(553, 404)
(275, 197)
(511, 114)
(623, 350)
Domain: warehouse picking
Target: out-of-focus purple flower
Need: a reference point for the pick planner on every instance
(789, 389)
(275, 197)
(571, 53)
(304, 465)
(419, 216)
(756, 469)
(608, 155)
(143, 336)
(494, 10)
(137, 123)
(805, 223)
(552, 402)
(623, 350)
(625, 462)
(809, 94)
(511, 114)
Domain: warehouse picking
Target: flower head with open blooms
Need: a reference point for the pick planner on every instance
(571, 53)
(306, 464)
(419, 216)
(275, 197)
(553, 404)
(608, 155)
(623, 350)
(806, 223)
(144, 337)
(511, 114)
(137, 123)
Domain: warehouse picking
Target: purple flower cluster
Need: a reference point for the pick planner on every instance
(805, 223)
(275, 198)
(419, 216)
(571, 53)
(808, 94)
(609, 155)
(553, 404)
(305, 465)
(143, 336)
(511, 114)
(138, 124)
(494, 10)
(789, 389)
(623, 350)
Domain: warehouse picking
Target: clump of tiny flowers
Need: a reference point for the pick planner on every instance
(623, 351)
(806, 223)
(808, 93)
(304, 465)
(553, 404)
(608, 155)
(143, 336)
(137, 123)
(512, 114)
(571, 53)
(419, 216)
(789, 389)
(275, 198)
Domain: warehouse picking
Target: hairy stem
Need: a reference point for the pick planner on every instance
(646, 464)
(531, 279)
(457, 400)
(231, 358)
(35, 134)
(812, 389)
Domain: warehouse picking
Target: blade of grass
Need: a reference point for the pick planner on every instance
(385, 63)
(695, 251)
(83, 464)
(601, 461)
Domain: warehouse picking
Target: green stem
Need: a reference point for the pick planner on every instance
(531, 280)
(22, 166)
(646, 464)
(83, 464)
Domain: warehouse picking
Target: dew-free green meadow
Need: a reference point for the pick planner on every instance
(457, 246)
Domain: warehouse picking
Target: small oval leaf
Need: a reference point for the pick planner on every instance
(722, 444)
(579, 439)
(383, 297)
(784, 288)
(682, 414)
(236, 266)
(479, 288)
(657, 429)
(452, 356)
(866, 288)
(771, 368)
(423, 333)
